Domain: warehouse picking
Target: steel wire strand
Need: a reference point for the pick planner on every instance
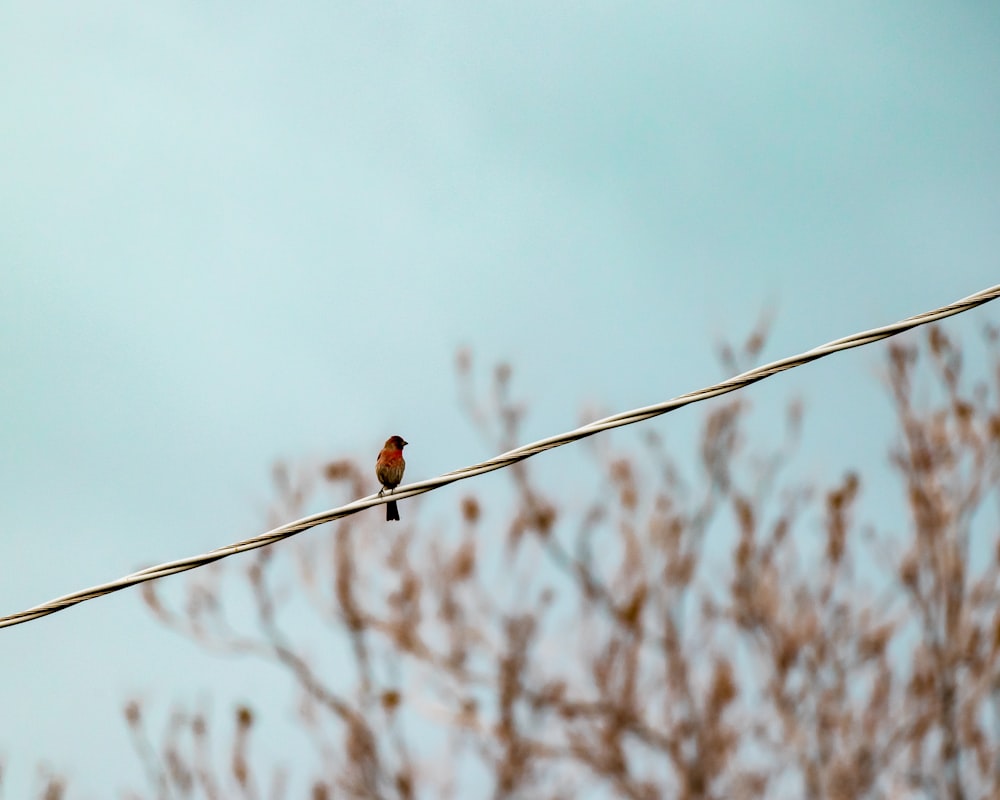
(505, 459)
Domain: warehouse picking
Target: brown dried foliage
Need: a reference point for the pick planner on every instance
(665, 635)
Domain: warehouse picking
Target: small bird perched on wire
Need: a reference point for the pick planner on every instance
(389, 471)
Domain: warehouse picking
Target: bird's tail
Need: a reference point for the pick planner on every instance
(391, 511)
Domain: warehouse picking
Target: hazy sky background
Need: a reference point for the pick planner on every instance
(237, 232)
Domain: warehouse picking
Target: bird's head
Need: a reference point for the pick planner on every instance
(395, 443)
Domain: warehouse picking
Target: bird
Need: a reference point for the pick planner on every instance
(389, 471)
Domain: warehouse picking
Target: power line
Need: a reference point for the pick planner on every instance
(505, 459)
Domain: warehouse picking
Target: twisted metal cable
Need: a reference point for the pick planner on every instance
(505, 459)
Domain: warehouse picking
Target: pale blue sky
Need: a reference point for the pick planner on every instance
(234, 232)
